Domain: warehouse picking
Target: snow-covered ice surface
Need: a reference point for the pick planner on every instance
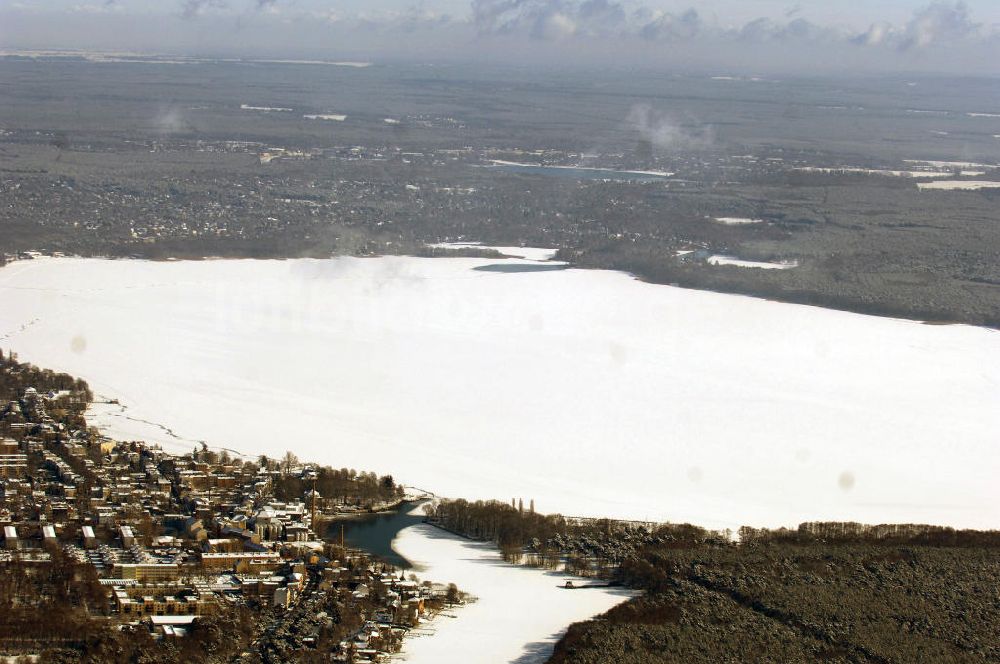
(588, 391)
(907, 174)
(115, 418)
(736, 221)
(950, 164)
(501, 162)
(520, 612)
(739, 262)
(334, 117)
(266, 109)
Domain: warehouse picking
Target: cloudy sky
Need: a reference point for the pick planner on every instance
(737, 35)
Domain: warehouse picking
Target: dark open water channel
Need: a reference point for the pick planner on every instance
(374, 533)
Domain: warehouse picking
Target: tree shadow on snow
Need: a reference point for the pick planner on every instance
(537, 652)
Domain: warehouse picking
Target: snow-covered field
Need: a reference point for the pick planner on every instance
(739, 262)
(588, 391)
(333, 117)
(960, 185)
(356, 65)
(949, 164)
(520, 612)
(266, 109)
(501, 162)
(898, 174)
(736, 221)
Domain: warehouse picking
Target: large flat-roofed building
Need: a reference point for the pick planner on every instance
(161, 600)
(243, 560)
(10, 537)
(146, 572)
(13, 465)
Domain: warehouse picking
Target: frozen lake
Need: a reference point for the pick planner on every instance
(588, 391)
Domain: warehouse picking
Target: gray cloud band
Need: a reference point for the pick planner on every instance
(562, 19)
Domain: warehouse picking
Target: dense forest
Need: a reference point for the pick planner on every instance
(796, 602)
(825, 591)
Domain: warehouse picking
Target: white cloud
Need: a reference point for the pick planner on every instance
(940, 21)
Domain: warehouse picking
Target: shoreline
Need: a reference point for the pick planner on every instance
(796, 297)
(498, 621)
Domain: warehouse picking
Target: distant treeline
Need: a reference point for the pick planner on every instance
(892, 534)
(830, 290)
(510, 526)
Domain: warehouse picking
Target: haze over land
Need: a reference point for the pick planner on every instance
(727, 263)
(159, 165)
(886, 35)
(869, 194)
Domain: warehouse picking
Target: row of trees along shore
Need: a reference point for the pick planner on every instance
(602, 546)
(585, 546)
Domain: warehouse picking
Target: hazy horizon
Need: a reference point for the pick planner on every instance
(889, 36)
